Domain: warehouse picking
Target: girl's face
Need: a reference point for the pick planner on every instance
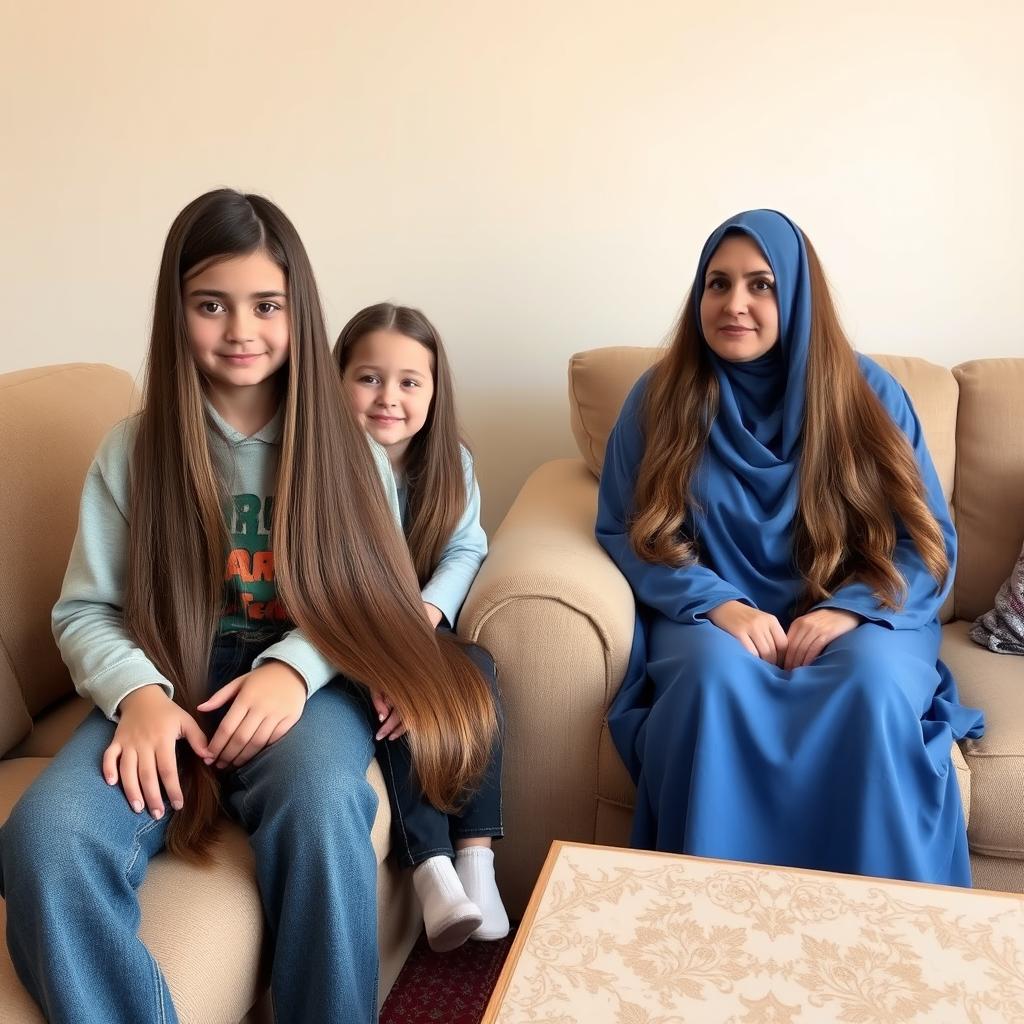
(237, 320)
(739, 312)
(389, 379)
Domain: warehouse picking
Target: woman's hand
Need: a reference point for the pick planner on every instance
(759, 632)
(142, 752)
(434, 614)
(392, 726)
(810, 634)
(265, 704)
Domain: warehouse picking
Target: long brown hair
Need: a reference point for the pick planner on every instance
(342, 569)
(433, 469)
(858, 473)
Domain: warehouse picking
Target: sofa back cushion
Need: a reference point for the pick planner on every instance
(52, 419)
(600, 380)
(989, 496)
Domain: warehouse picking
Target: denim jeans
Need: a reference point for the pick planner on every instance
(418, 829)
(73, 854)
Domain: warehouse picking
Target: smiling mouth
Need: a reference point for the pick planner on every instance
(734, 329)
(387, 419)
(246, 357)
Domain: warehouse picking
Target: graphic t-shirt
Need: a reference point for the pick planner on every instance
(248, 467)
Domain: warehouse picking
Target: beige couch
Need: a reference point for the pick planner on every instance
(203, 925)
(558, 617)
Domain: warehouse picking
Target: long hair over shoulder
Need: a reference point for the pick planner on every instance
(342, 569)
(858, 473)
(433, 468)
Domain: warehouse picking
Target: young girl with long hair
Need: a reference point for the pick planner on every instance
(769, 496)
(397, 378)
(236, 551)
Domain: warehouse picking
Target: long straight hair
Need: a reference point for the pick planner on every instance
(433, 468)
(343, 572)
(858, 473)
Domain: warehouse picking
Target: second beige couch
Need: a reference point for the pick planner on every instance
(558, 617)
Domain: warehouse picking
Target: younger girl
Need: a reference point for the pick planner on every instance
(397, 379)
(241, 502)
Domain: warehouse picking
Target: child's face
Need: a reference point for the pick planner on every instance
(739, 312)
(389, 379)
(237, 320)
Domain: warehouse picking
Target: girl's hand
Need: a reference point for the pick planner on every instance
(267, 702)
(392, 726)
(759, 632)
(142, 753)
(810, 634)
(434, 614)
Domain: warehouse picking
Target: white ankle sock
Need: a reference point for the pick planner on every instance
(448, 915)
(475, 867)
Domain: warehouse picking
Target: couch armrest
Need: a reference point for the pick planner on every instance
(557, 616)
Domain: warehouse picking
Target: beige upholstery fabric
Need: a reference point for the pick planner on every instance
(933, 391)
(989, 479)
(599, 381)
(997, 873)
(51, 422)
(994, 683)
(558, 617)
(51, 731)
(15, 721)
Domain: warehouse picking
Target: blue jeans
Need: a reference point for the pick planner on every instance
(73, 854)
(418, 829)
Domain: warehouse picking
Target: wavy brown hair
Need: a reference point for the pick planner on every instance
(433, 467)
(858, 472)
(342, 569)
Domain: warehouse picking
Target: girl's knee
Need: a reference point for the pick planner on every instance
(327, 811)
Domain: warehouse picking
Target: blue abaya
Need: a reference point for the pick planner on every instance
(843, 764)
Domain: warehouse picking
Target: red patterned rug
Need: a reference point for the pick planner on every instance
(445, 988)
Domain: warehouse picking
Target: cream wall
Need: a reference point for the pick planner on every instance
(538, 177)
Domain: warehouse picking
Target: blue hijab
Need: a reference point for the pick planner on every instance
(750, 473)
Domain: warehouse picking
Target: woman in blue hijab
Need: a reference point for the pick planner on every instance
(768, 494)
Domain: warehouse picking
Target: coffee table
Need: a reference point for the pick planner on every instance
(632, 937)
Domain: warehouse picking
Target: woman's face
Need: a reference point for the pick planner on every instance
(739, 312)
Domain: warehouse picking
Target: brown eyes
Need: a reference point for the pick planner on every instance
(211, 308)
(758, 284)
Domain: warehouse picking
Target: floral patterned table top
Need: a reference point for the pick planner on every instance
(629, 937)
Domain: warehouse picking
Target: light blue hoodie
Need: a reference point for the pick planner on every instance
(105, 663)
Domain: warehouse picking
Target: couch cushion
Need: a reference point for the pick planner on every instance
(51, 422)
(53, 728)
(989, 497)
(994, 683)
(600, 379)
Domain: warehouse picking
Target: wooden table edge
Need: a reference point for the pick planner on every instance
(540, 887)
